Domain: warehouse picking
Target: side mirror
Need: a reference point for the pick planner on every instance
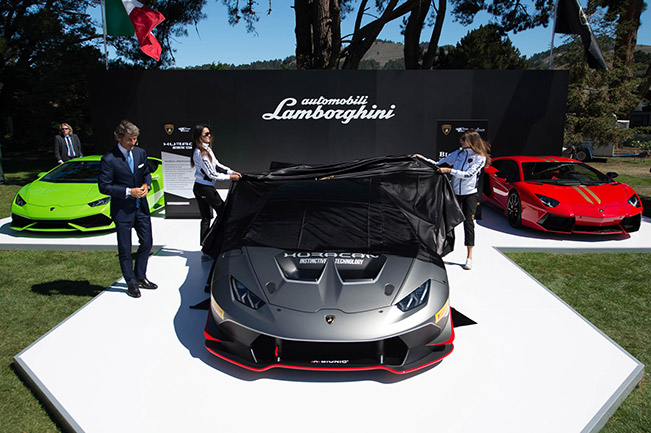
(612, 174)
(41, 174)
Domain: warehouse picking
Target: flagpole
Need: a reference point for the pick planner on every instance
(103, 6)
(551, 50)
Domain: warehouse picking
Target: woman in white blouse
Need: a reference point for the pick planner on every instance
(207, 170)
(466, 164)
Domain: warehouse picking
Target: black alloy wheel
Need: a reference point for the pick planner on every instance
(514, 210)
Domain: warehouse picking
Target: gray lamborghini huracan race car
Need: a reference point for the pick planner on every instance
(334, 267)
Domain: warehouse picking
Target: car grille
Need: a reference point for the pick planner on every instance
(598, 229)
(99, 220)
(392, 351)
(19, 221)
(557, 223)
(631, 224)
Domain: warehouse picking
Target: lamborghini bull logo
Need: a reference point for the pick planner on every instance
(330, 318)
(446, 128)
(169, 128)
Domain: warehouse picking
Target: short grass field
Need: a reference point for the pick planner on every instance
(39, 289)
(613, 292)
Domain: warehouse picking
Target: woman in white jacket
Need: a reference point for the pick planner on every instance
(207, 170)
(466, 165)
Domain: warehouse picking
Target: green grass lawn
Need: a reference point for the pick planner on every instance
(613, 292)
(38, 289)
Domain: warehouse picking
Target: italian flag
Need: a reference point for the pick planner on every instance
(126, 17)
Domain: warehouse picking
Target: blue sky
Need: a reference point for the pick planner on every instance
(214, 40)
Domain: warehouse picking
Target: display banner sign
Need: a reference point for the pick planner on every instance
(449, 131)
(287, 117)
(178, 175)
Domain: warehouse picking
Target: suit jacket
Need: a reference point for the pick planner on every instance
(61, 148)
(115, 176)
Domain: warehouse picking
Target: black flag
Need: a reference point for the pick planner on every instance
(571, 20)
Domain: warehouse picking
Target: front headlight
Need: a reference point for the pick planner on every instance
(245, 296)
(99, 202)
(416, 298)
(20, 201)
(634, 201)
(547, 201)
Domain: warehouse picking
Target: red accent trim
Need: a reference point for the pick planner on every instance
(295, 367)
(206, 335)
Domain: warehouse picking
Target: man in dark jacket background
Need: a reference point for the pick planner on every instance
(66, 145)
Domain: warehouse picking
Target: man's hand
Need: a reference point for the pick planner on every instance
(235, 176)
(140, 192)
(445, 170)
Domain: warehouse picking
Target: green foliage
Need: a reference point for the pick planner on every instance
(612, 291)
(369, 65)
(484, 48)
(508, 15)
(394, 65)
(596, 99)
(46, 50)
(288, 63)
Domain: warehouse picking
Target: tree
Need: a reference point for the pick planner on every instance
(319, 44)
(506, 15)
(596, 99)
(46, 50)
(484, 48)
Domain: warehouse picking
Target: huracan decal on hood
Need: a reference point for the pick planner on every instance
(308, 266)
(345, 115)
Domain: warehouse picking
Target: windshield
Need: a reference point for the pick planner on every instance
(74, 172)
(563, 173)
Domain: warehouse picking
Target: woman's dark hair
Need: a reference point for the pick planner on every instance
(196, 141)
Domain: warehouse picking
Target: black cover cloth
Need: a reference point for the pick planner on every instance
(397, 205)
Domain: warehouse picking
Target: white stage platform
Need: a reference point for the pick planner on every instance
(139, 365)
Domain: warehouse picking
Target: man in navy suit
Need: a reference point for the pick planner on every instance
(124, 175)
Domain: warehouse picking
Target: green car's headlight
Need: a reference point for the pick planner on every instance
(416, 298)
(99, 202)
(20, 201)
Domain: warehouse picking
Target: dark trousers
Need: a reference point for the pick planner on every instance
(468, 204)
(207, 199)
(142, 223)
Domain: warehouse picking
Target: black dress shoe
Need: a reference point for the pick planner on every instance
(146, 284)
(133, 290)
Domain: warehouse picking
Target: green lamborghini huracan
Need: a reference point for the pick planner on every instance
(67, 198)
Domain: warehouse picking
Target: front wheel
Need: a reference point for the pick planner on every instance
(514, 210)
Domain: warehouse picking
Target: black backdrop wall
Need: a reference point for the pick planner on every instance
(332, 116)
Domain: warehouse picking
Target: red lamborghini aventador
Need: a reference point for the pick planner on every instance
(562, 195)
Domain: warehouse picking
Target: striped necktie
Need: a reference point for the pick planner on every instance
(71, 150)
